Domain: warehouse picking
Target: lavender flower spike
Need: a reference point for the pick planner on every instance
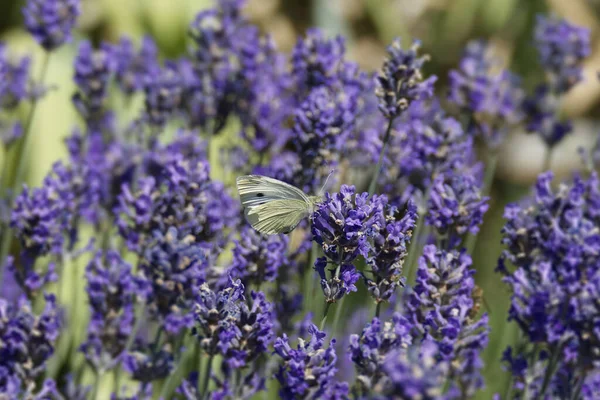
(51, 21)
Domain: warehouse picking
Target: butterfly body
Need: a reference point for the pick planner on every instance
(272, 206)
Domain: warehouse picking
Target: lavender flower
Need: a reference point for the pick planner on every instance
(442, 309)
(180, 194)
(541, 109)
(341, 280)
(240, 330)
(174, 266)
(561, 48)
(401, 81)
(428, 144)
(26, 343)
(226, 324)
(388, 250)
(16, 85)
(112, 291)
(321, 126)
(257, 258)
(163, 90)
(413, 374)
(51, 22)
(131, 68)
(93, 69)
(316, 60)
(146, 363)
(340, 225)
(308, 371)
(43, 221)
(551, 241)
(456, 207)
(491, 100)
(369, 349)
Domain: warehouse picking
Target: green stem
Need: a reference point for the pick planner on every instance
(550, 369)
(22, 159)
(322, 324)
(136, 327)
(548, 159)
(579, 386)
(386, 139)
(99, 375)
(378, 309)
(412, 250)
(338, 312)
(310, 280)
(206, 377)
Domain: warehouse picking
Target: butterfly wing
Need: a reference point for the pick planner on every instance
(256, 190)
(277, 216)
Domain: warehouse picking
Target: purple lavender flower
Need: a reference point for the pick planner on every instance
(50, 22)
(43, 221)
(390, 238)
(561, 48)
(227, 323)
(257, 258)
(412, 374)
(26, 343)
(112, 290)
(93, 69)
(456, 207)
(146, 363)
(179, 193)
(309, 370)
(341, 281)
(428, 144)
(492, 100)
(552, 242)
(541, 109)
(401, 81)
(163, 89)
(239, 329)
(340, 225)
(442, 308)
(321, 125)
(174, 266)
(369, 349)
(227, 50)
(316, 60)
(16, 85)
(132, 68)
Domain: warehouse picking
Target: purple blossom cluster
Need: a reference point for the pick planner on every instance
(491, 100)
(27, 341)
(550, 265)
(132, 259)
(51, 22)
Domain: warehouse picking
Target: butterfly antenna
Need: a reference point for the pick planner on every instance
(325, 184)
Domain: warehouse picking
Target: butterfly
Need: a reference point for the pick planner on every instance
(272, 206)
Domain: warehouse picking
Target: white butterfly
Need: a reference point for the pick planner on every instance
(272, 206)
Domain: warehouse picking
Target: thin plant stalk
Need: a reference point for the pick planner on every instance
(99, 375)
(206, 376)
(386, 139)
(548, 159)
(412, 250)
(550, 369)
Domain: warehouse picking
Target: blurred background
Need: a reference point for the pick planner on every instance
(443, 26)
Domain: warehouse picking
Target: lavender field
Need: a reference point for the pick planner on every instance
(264, 199)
